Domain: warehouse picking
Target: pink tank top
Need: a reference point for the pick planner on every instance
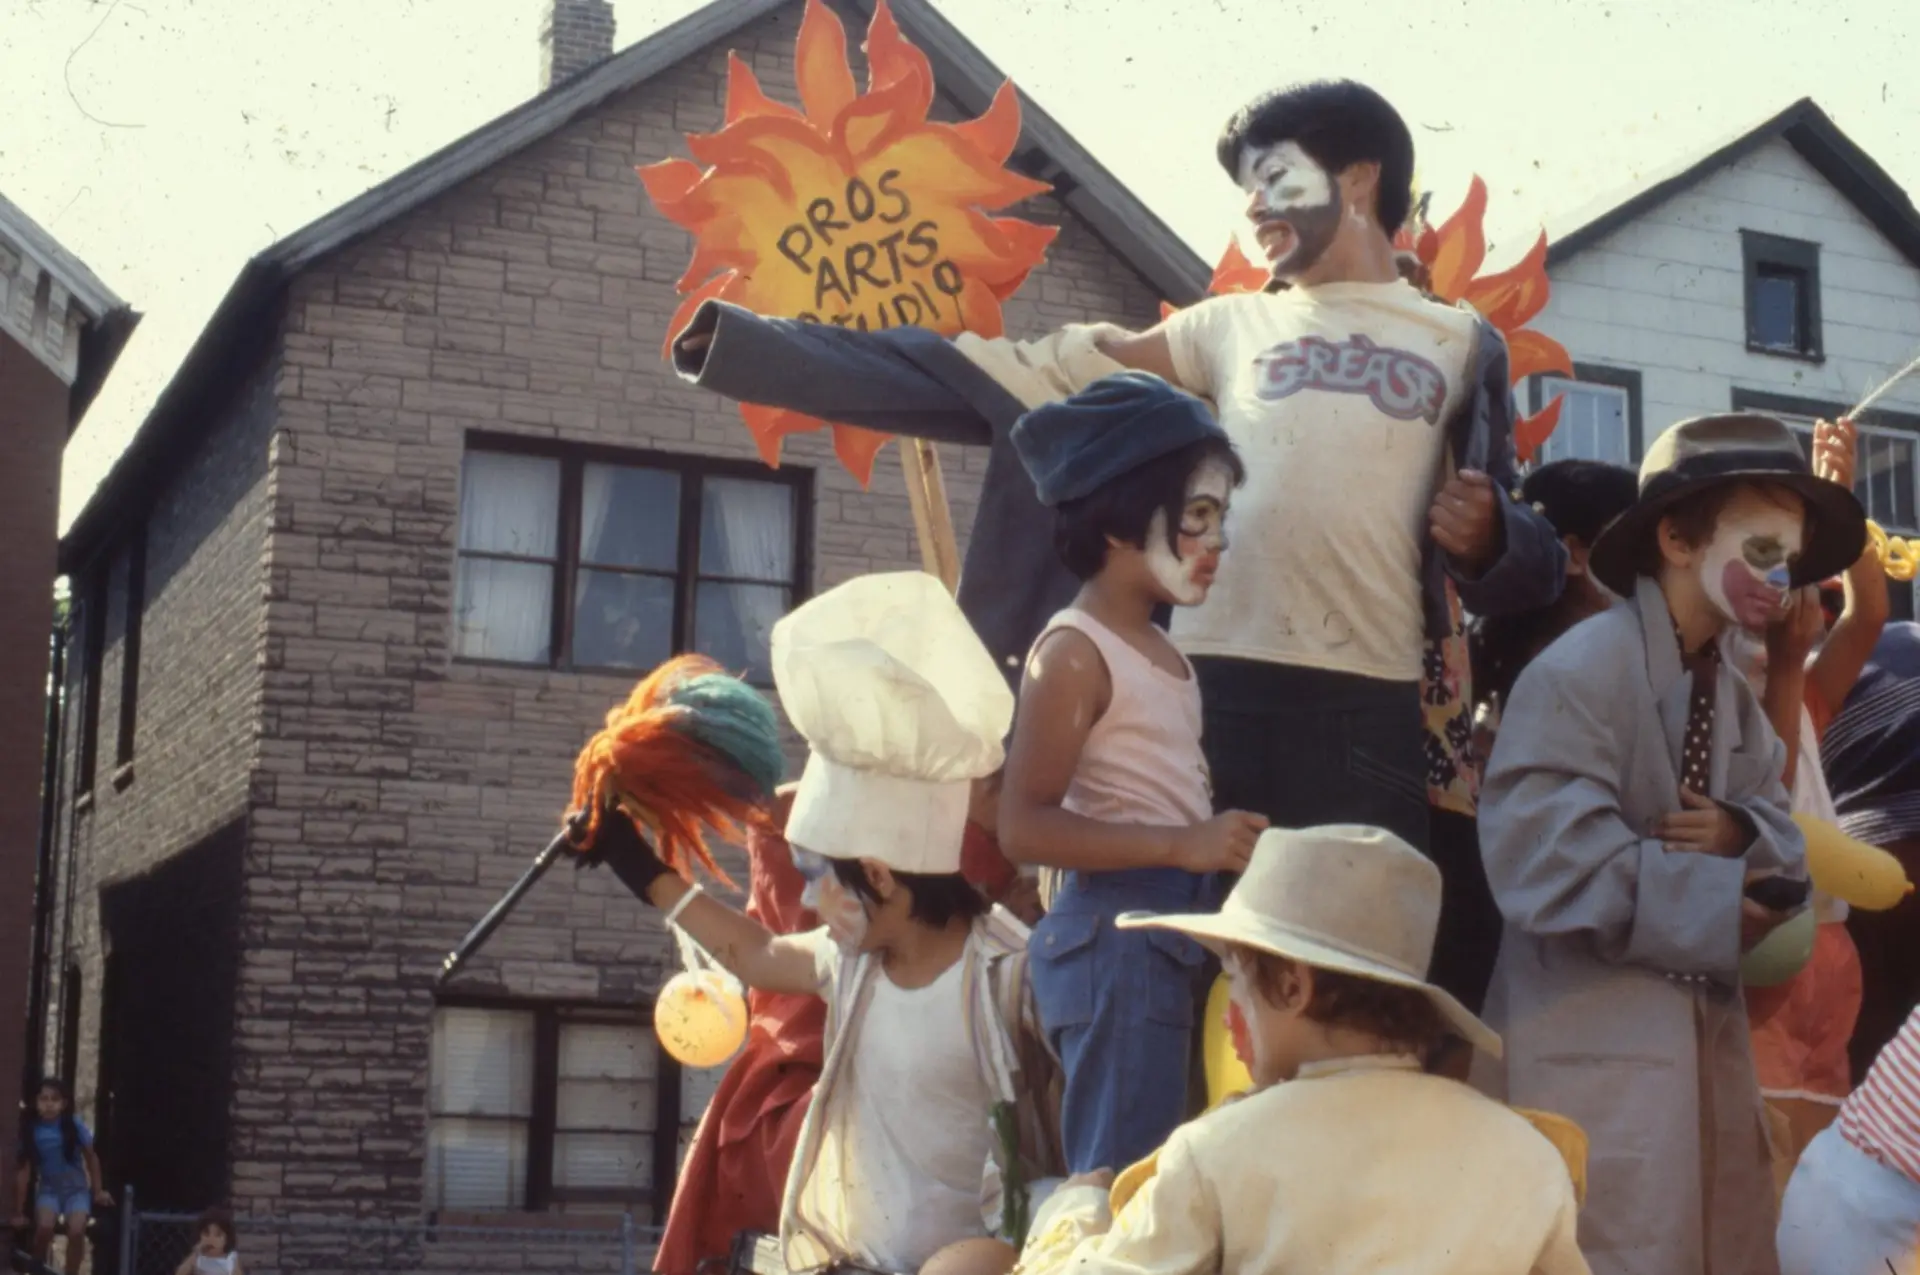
(1142, 761)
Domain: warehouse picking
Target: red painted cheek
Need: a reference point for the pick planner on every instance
(1242, 1038)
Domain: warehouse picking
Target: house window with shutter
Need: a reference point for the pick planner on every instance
(551, 1109)
(1782, 295)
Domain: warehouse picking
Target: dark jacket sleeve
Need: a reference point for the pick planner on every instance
(1532, 566)
(908, 381)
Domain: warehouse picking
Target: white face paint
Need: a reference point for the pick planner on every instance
(838, 908)
(1186, 568)
(1284, 178)
(1293, 203)
(1744, 571)
(1243, 1000)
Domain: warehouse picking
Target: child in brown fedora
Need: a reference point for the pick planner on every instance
(1347, 1156)
(1638, 840)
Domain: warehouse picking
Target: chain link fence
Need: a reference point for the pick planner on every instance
(159, 1243)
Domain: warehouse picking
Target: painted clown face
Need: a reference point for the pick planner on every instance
(1185, 569)
(838, 908)
(1745, 568)
(1294, 205)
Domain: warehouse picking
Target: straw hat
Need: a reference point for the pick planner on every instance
(1346, 898)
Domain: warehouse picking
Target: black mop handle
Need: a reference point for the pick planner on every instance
(497, 914)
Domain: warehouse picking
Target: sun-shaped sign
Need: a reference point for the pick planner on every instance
(1449, 259)
(856, 210)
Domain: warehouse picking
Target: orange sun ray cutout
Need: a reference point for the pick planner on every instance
(1450, 260)
(853, 209)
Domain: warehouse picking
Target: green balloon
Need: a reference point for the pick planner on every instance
(1782, 954)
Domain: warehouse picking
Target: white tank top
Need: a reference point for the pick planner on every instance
(1142, 762)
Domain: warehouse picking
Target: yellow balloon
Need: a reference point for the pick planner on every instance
(1863, 876)
(1226, 1074)
(1781, 954)
(701, 1018)
(1898, 555)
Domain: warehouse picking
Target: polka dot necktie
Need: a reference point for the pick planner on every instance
(1696, 751)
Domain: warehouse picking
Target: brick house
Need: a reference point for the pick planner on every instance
(416, 507)
(61, 330)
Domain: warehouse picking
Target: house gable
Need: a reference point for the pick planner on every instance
(966, 77)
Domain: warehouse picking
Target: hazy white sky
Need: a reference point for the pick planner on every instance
(166, 141)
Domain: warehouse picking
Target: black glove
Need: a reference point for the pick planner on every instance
(619, 845)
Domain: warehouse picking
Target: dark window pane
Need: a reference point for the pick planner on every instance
(1885, 481)
(733, 623)
(1901, 597)
(503, 611)
(1776, 308)
(510, 504)
(746, 530)
(629, 517)
(622, 621)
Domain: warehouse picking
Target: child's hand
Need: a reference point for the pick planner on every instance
(1223, 843)
(1834, 451)
(1703, 827)
(1757, 921)
(102, 1199)
(1791, 638)
(1102, 1178)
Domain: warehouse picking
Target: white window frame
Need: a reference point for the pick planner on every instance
(1593, 376)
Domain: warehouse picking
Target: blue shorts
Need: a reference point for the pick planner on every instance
(67, 1204)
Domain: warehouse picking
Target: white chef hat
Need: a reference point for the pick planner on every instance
(902, 708)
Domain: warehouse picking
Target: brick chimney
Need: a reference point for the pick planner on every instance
(575, 35)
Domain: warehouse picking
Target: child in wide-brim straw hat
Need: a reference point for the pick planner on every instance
(1361, 1160)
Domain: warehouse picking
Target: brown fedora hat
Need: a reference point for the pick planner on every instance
(1710, 451)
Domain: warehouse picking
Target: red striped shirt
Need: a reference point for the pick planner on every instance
(1882, 1118)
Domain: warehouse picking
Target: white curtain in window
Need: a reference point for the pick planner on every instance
(746, 530)
(503, 610)
(480, 1097)
(606, 1107)
(510, 504)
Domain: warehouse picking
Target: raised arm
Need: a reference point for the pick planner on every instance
(1148, 351)
(1848, 648)
(756, 955)
(899, 381)
(1066, 691)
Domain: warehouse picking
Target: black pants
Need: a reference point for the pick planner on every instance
(1305, 746)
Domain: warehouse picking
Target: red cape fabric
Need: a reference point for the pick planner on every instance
(736, 1169)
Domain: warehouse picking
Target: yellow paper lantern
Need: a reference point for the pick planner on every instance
(1781, 954)
(1864, 876)
(701, 1018)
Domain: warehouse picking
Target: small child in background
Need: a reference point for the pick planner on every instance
(1105, 781)
(216, 1251)
(60, 1173)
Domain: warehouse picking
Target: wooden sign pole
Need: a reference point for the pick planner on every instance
(932, 517)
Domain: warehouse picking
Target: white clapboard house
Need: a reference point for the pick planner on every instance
(1780, 272)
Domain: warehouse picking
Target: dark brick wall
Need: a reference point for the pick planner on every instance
(33, 430)
(574, 35)
(197, 725)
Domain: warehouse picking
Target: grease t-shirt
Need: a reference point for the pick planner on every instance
(1337, 398)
